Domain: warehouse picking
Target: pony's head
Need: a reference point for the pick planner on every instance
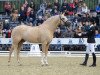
(64, 20)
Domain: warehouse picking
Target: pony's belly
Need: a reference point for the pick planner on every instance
(32, 39)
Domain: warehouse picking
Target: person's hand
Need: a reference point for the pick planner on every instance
(79, 34)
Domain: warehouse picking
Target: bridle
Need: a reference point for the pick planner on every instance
(62, 19)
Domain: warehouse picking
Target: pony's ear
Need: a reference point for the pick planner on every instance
(62, 13)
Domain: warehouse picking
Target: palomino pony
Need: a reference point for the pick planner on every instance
(39, 34)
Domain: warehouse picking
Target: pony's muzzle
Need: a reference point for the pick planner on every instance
(68, 23)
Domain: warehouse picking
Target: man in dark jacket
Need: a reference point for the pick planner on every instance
(91, 45)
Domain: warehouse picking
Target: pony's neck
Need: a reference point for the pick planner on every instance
(52, 23)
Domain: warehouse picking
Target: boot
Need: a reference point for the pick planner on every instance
(94, 60)
(85, 61)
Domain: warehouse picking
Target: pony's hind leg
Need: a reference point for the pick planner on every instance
(18, 52)
(10, 53)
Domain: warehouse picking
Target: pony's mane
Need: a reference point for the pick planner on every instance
(51, 18)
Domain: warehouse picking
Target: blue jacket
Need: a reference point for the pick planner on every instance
(97, 36)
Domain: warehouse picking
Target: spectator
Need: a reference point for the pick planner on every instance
(71, 8)
(81, 2)
(84, 8)
(42, 10)
(32, 16)
(98, 9)
(6, 25)
(96, 18)
(84, 18)
(49, 7)
(57, 33)
(14, 15)
(22, 16)
(32, 5)
(7, 8)
(97, 34)
(9, 34)
(68, 33)
(28, 14)
(57, 5)
(79, 9)
(76, 4)
(1, 33)
(4, 33)
(47, 15)
(86, 26)
(75, 20)
(77, 33)
(64, 6)
(39, 20)
(55, 11)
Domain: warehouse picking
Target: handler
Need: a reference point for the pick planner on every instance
(91, 44)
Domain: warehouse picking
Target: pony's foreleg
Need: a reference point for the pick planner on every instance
(46, 52)
(43, 54)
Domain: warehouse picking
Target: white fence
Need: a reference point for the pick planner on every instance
(50, 54)
(53, 53)
(56, 41)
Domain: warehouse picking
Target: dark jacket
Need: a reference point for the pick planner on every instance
(90, 35)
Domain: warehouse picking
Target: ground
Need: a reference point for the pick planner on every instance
(57, 66)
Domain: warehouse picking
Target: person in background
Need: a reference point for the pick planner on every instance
(64, 6)
(32, 5)
(98, 9)
(22, 15)
(57, 5)
(7, 8)
(85, 8)
(57, 33)
(32, 16)
(28, 14)
(97, 35)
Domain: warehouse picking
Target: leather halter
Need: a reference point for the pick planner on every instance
(62, 19)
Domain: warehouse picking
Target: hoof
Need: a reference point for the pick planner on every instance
(8, 64)
(19, 64)
(8, 61)
(46, 65)
(42, 65)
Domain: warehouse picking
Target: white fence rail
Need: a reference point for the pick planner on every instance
(50, 54)
(56, 41)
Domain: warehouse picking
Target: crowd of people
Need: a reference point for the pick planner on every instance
(76, 10)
